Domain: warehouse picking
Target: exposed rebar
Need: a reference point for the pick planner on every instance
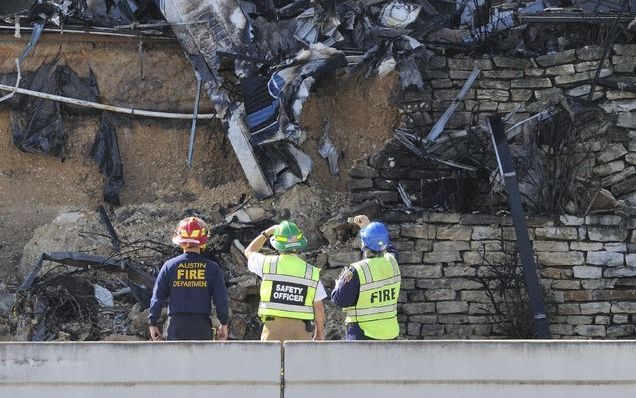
(103, 107)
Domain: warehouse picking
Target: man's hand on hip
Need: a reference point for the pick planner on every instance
(155, 333)
(222, 332)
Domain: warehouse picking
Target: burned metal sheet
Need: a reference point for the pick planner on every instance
(238, 133)
(315, 25)
(203, 28)
(72, 259)
(259, 61)
(441, 123)
(291, 85)
(38, 28)
(93, 12)
(404, 196)
(14, 7)
(298, 169)
(105, 219)
(410, 75)
(271, 105)
(399, 14)
(86, 261)
(327, 149)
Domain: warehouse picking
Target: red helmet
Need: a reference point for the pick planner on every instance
(191, 232)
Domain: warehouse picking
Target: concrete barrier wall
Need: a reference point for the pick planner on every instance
(448, 369)
(122, 370)
(454, 369)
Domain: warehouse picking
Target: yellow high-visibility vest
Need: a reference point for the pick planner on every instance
(376, 309)
(288, 287)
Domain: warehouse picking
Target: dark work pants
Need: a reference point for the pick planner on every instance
(354, 332)
(189, 327)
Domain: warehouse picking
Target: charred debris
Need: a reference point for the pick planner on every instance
(83, 296)
(258, 62)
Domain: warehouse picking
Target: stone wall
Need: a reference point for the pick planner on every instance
(587, 264)
(505, 84)
(587, 268)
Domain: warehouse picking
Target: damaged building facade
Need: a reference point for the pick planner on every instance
(317, 112)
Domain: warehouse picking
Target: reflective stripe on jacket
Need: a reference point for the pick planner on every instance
(288, 287)
(376, 309)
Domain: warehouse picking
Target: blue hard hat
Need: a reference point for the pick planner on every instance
(375, 236)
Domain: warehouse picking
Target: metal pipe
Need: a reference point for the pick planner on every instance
(618, 85)
(193, 131)
(543, 115)
(506, 168)
(110, 108)
(610, 40)
(35, 37)
(94, 31)
(17, 81)
(157, 25)
(574, 18)
(441, 123)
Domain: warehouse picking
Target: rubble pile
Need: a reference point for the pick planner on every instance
(563, 80)
(258, 61)
(67, 306)
(104, 295)
(455, 172)
(369, 38)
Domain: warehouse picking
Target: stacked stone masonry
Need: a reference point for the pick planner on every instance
(587, 265)
(528, 86)
(587, 268)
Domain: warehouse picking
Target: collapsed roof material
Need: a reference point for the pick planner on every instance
(259, 61)
(36, 124)
(105, 151)
(271, 104)
(64, 303)
(83, 260)
(97, 12)
(13, 7)
(327, 149)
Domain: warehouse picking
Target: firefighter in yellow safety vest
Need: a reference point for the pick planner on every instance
(368, 290)
(291, 293)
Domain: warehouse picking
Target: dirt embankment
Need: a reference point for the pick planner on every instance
(159, 78)
(361, 118)
(36, 189)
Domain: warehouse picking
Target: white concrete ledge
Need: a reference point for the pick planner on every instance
(121, 370)
(452, 369)
(431, 369)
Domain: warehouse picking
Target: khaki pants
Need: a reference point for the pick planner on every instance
(282, 329)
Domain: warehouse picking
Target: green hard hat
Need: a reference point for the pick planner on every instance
(287, 237)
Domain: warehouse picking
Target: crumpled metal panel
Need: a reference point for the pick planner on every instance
(13, 7)
(210, 27)
(399, 14)
(238, 133)
(213, 25)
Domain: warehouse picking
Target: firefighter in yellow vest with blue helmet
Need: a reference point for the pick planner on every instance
(291, 291)
(369, 289)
